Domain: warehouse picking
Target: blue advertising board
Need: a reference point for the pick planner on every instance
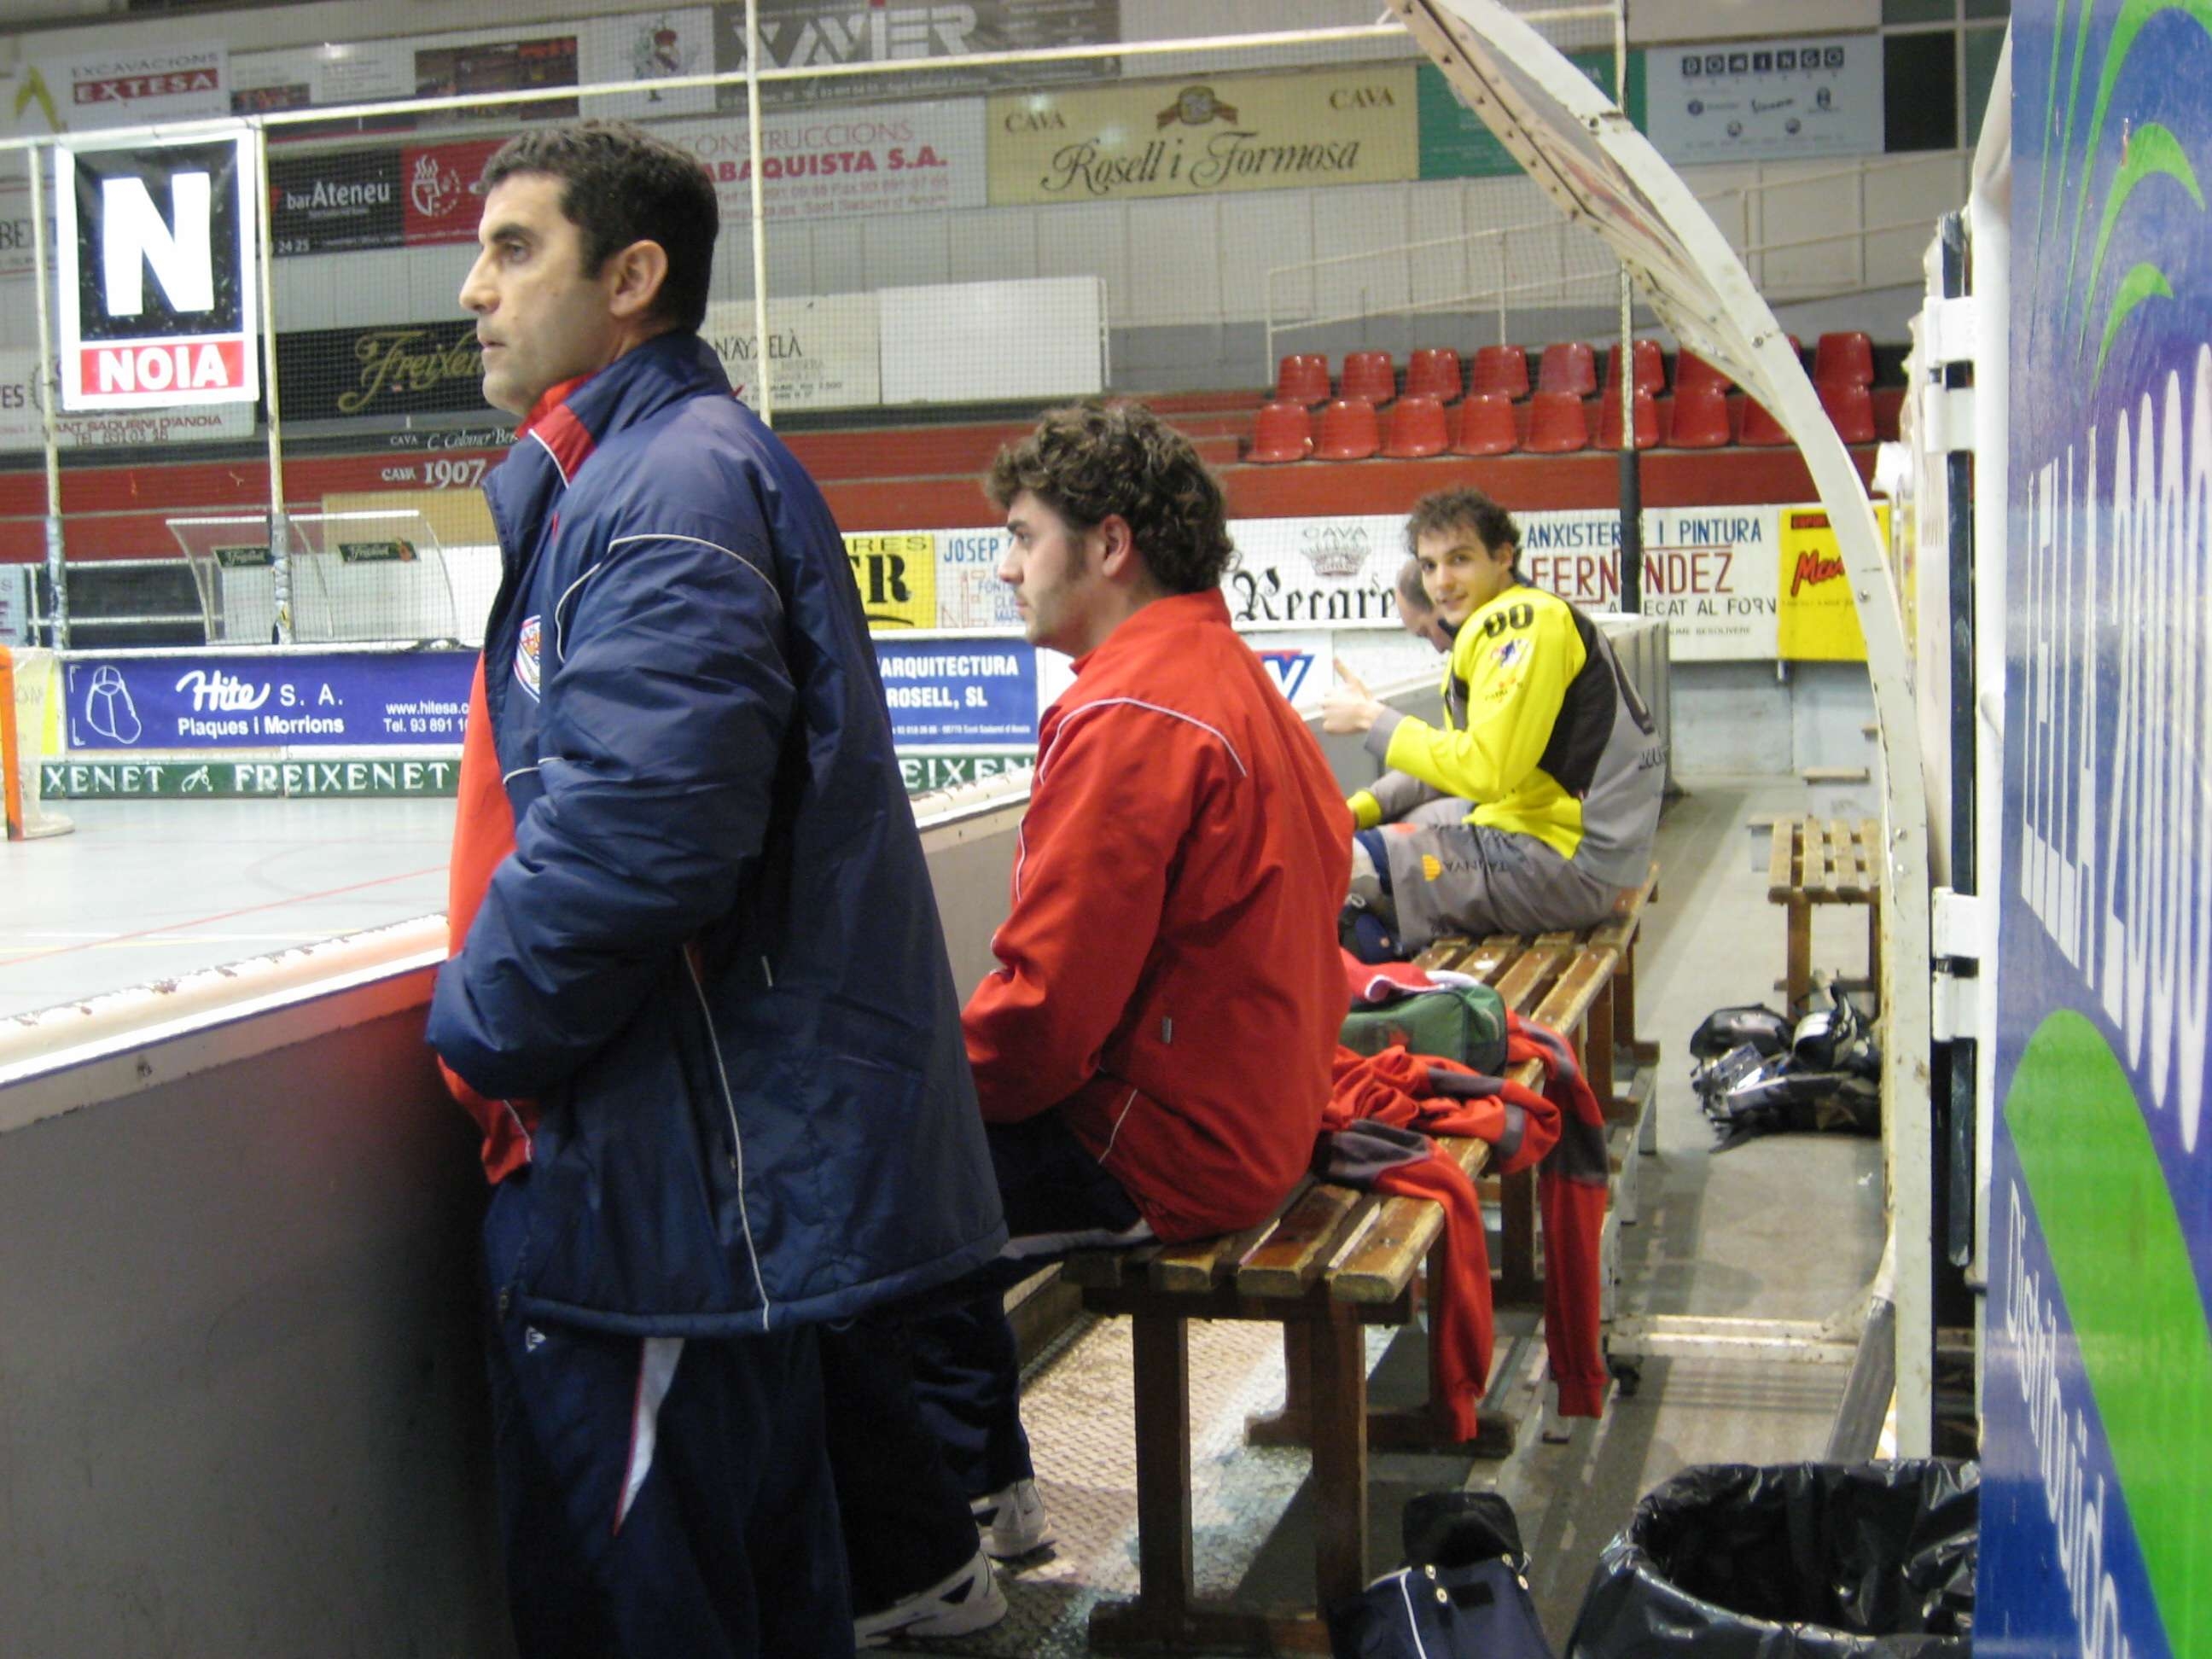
(959, 693)
(267, 700)
(2096, 1428)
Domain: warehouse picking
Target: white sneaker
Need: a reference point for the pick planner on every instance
(1013, 1520)
(971, 1599)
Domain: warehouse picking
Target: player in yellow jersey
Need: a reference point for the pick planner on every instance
(1543, 737)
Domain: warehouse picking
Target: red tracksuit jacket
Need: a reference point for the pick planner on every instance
(1169, 975)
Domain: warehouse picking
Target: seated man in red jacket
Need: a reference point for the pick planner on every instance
(1152, 1053)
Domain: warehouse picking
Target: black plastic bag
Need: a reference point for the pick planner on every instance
(1726, 1027)
(1463, 1593)
(1793, 1561)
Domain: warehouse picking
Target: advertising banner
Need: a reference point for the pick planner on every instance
(647, 47)
(22, 426)
(336, 201)
(822, 352)
(156, 274)
(1298, 661)
(402, 369)
(440, 202)
(18, 244)
(969, 594)
(1766, 100)
(305, 77)
(822, 164)
(134, 88)
(274, 701)
(450, 69)
(935, 770)
(2096, 1381)
(361, 777)
(1817, 619)
(811, 33)
(1355, 125)
(959, 693)
(1455, 142)
(897, 578)
(1299, 571)
(1708, 571)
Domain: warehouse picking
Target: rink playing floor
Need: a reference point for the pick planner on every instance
(145, 890)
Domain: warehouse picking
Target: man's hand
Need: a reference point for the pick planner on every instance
(1348, 708)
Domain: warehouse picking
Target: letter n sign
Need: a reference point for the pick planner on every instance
(157, 274)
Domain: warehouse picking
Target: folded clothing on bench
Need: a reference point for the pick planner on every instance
(1375, 1129)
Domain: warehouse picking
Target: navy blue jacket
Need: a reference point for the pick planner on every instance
(713, 959)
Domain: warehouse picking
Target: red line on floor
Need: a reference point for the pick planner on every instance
(226, 915)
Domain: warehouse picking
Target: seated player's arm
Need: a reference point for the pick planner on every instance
(666, 698)
(1517, 662)
(1105, 823)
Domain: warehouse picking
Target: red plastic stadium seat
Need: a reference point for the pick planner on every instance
(1486, 426)
(1434, 372)
(1502, 370)
(1417, 429)
(1650, 368)
(1302, 378)
(1850, 409)
(1370, 375)
(1347, 430)
(1846, 359)
(1283, 432)
(1693, 373)
(1569, 367)
(1701, 417)
(1605, 426)
(1760, 429)
(1558, 424)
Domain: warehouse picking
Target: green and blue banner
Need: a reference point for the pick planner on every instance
(2096, 1531)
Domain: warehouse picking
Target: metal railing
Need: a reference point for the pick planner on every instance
(1741, 211)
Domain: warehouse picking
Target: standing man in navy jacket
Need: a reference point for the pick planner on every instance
(698, 1001)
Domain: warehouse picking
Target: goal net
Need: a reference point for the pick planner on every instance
(29, 712)
(365, 576)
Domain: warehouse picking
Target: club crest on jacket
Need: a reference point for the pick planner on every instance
(526, 655)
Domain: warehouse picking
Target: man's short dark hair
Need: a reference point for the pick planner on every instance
(1469, 512)
(621, 184)
(1091, 461)
(1414, 599)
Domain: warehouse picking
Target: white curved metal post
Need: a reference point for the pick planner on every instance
(1604, 174)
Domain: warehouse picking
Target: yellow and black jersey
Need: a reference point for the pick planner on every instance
(1543, 733)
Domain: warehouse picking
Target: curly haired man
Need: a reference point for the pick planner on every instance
(1151, 1053)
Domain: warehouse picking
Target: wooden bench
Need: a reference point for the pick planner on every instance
(1823, 861)
(1331, 1262)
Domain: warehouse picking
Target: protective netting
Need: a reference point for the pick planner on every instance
(937, 233)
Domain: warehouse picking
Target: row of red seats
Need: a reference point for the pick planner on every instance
(1568, 367)
(1701, 417)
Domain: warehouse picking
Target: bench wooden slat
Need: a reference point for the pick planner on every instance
(1203, 1263)
(1287, 1261)
(1577, 988)
(1853, 880)
(1487, 960)
(1398, 1240)
(1444, 953)
(1518, 985)
(1779, 877)
(1106, 1269)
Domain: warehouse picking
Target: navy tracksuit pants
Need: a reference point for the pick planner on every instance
(925, 1398)
(661, 1497)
